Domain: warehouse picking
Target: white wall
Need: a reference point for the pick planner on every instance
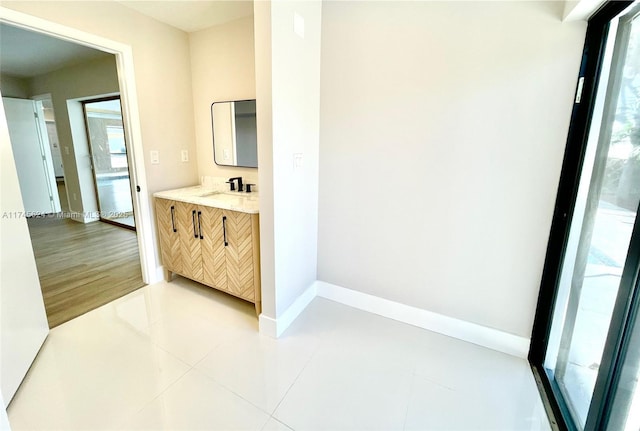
(89, 79)
(162, 83)
(581, 9)
(293, 72)
(4, 420)
(264, 123)
(163, 78)
(85, 197)
(222, 69)
(14, 87)
(443, 126)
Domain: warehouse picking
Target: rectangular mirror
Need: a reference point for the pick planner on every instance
(235, 137)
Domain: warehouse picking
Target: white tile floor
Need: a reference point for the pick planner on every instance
(182, 356)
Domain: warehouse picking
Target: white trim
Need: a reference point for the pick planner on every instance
(481, 335)
(466, 331)
(4, 419)
(82, 217)
(128, 97)
(268, 326)
(275, 327)
(89, 219)
(159, 274)
(580, 10)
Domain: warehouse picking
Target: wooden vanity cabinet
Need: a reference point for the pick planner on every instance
(242, 253)
(168, 237)
(216, 247)
(189, 239)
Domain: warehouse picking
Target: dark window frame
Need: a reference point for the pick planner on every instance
(590, 72)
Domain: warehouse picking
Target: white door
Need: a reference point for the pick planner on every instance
(23, 321)
(32, 155)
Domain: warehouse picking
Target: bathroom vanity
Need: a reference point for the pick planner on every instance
(211, 237)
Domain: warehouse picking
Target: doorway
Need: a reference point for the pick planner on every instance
(81, 265)
(586, 340)
(32, 155)
(56, 151)
(108, 148)
(124, 62)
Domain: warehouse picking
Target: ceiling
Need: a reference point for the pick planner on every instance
(192, 16)
(25, 54)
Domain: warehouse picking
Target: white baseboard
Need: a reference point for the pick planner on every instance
(275, 327)
(158, 276)
(77, 216)
(481, 335)
(82, 217)
(268, 326)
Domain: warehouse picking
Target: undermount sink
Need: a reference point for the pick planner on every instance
(204, 195)
(221, 195)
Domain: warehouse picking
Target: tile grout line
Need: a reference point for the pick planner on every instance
(294, 382)
(161, 316)
(223, 386)
(169, 386)
(411, 391)
(194, 368)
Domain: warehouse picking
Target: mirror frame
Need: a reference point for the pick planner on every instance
(213, 136)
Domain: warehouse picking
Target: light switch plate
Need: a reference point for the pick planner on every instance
(185, 155)
(155, 157)
(297, 160)
(298, 24)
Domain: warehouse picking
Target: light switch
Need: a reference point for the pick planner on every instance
(155, 157)
(185, 155)
(297, 161)
(225, 154)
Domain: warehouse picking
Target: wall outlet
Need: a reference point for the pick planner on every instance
(155, 157)
(75, 198)
(66, 150)
(185, 155)
(297, 161)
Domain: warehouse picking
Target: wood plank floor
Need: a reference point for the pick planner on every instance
(83, 266)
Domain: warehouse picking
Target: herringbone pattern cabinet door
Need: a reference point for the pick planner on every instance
(186, 216)
(197, 249)
(169, 240)
(239, 254)
(213, 250)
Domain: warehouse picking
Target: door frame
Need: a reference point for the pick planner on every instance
(43, 97)
(130, 115)
(574, 158)
(84, 103)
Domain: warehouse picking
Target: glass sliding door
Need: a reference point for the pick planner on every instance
(625, 408)
(105, 132)
(590, 283)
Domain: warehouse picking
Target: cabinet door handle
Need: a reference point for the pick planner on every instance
(193, 220)
(224, 230)
(200, 224)
(173, 223)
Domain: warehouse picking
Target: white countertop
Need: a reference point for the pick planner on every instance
(199, 195)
